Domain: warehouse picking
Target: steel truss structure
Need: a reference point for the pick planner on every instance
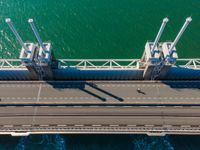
(90, 64)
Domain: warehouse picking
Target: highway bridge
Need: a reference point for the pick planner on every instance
(79, 107)
(156, 95)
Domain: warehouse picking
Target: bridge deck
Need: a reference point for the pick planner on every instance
(100, 120)
(100, 107)
(100, 92)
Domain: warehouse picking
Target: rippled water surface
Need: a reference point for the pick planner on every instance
(99, 142)
(99, 29)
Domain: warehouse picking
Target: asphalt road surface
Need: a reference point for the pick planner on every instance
(115, 92)
(89, 119)
(119, 115)
(100, 115)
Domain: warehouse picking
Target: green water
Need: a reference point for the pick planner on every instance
(99, 142)
(100, 28)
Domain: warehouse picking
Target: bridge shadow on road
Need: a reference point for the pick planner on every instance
(178, 85)
(84, 86)
(94, 86)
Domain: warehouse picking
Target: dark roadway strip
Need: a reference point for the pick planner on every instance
(22, 104)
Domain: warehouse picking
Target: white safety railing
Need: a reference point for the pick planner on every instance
(193, 63)
(100, 63)
(11, 63)
(189, 63)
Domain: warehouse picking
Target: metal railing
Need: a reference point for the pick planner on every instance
(11, 63)
(100, 63)
(126, 64)
(193, 63)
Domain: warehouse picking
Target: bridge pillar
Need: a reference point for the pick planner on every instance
(28, 58)
(28, 50)
(169, 52)
(152, 55)
(150, 60)
(158, 60)
(44, 57)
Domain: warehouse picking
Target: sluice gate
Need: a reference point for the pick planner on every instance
(159, 62)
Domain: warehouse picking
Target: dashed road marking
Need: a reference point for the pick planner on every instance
(77, 106)
(36, 108)
(167, 126)
(61, 125)
(178, 106)
(78, 125)
(8, 126)
(95, 106)
(114, 125)
(131, 125)
(96, 125)
(10, 106)
(185, 126)
(18, 86)
(102, 85)
(29, 106)
(92, 98)
(44, 125)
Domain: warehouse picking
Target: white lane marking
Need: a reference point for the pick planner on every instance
(61, 106)
(167, 125)
(61, 125)
(92, 98)
(113, 125)
(96, 125)
(39, 91)
(186, 126)
(36, 108)
(13, 98)
(78, 125)
(100, 85)
(77, 106)
(8, 126)
(44, 125)
(10, 106)
(131, 125)
(18, 86)
(111, 106)
(178, 106)
(29, 106)
(146, 85)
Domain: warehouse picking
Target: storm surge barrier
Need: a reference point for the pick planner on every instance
(159, 62)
